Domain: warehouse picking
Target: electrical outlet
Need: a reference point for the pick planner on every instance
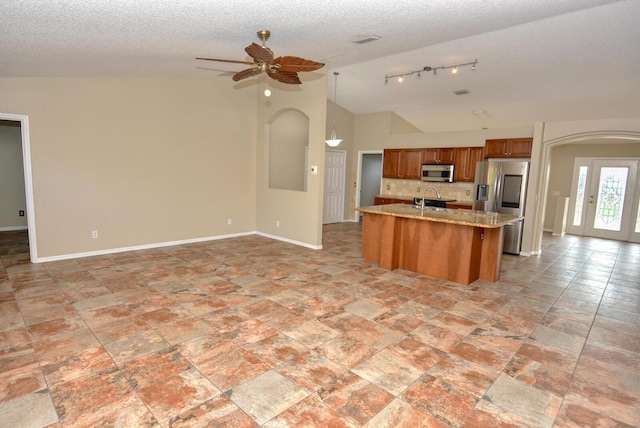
(94, 234)
(229, 221)
(468, 192)
(418, 189)
(277, 223)
(388, 186)
(21, 213)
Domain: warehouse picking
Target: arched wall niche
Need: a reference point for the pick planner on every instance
(288, 150)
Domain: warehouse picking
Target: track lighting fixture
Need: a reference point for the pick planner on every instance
(453, 67)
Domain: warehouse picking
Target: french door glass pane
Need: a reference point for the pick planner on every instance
(582, 183)
(613, 181)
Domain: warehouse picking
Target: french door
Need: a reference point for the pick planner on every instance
(605, 199)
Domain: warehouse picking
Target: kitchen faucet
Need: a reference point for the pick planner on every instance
(425, 190)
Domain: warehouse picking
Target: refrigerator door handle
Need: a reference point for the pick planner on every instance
(498, 196)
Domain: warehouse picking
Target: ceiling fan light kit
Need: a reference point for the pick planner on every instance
(453, 67)
(284, 69)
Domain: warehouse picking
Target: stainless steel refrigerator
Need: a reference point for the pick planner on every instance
(501, 186)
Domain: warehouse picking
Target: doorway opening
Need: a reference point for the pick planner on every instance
(369, 183)
(28, 182)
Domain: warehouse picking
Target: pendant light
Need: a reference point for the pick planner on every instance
(333, 141)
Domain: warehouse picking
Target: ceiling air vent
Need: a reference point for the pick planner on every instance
(366, 40)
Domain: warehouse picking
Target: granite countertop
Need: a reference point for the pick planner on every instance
(443, 215)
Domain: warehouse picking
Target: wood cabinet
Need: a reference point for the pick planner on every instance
(438, 155)
(381, 200)
(454, 206)
(402, 163)
(407, 163)
(465, 159)
(451, 251)
(508, 148)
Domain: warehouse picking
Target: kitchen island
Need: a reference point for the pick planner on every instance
(453, 244)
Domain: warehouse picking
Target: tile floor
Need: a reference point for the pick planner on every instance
(250, 332)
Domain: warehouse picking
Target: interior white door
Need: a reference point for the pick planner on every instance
(612, 208)
(334, 178)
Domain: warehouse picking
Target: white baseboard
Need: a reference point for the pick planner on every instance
(138, 247)
(534, 253)
(12, 228)
(290, 241)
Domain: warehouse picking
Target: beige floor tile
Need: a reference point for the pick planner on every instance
(266, 396)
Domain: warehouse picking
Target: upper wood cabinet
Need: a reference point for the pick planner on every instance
(407, 163)
(438, 155)
(465, 159)
(391, 163)
(402, 163)
(508, 148)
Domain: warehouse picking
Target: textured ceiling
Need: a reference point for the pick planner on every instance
(537, 60)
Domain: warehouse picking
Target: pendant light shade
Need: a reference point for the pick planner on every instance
(333, 140)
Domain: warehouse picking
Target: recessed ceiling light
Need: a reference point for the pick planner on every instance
(366, 39)
(479, 112)
(462, 92)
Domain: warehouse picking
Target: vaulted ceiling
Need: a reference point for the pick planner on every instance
(536, 60)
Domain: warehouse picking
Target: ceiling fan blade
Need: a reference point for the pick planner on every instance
(227, 60)
(289, 77)
(259, 53)
(246, 73)
(294, 63)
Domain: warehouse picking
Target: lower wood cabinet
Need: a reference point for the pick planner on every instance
(386, 201)
(454, 206)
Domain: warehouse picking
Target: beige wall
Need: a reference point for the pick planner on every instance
(382, 131)
(561, 171)
(142, 161)
(299, 214)
(12, 191)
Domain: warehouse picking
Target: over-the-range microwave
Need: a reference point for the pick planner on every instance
(437, 172)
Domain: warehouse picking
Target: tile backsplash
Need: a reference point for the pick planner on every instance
(461, 192)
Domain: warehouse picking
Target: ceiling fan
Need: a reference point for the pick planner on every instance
(283, 68)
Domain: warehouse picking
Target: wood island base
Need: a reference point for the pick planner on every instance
(455, 252)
